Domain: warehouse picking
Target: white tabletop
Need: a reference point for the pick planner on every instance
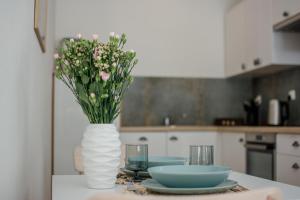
(74, 187)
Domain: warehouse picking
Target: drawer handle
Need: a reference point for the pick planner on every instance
(143, 139)
(285, 14)
(173, 138)
(241, 140)
(295, 144)
(243, 66)
(295, 166)
(257, 61)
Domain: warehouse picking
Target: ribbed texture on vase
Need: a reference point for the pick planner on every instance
(101, 155)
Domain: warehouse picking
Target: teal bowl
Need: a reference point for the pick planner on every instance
(189, 176)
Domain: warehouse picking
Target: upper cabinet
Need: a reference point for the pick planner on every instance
(284, 9)
(251, 43)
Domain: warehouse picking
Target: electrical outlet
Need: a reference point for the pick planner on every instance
(292, 95)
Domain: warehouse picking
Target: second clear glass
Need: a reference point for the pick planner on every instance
(201, 155)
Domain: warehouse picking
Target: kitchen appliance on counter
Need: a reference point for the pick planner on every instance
(278, 113)
(252, 108)
(260, 155)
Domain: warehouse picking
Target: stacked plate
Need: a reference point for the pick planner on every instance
(189, 179)
(154, 161)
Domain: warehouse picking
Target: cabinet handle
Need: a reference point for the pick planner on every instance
(295, 166)
(295, 144)
(241, 140)
(243, 66)
(285, 14)
(173, 138)
(143, 139)
(257, 61)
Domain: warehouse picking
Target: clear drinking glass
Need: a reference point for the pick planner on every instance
(136, 158)
(201, 155)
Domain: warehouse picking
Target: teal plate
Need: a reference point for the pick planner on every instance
(153, 186)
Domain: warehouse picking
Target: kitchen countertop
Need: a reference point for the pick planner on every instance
(243, 129)
(74, 187)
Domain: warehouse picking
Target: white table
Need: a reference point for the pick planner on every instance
(74, 187)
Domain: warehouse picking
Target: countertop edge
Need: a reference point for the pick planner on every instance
(239, 129)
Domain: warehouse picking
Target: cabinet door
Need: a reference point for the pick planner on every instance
(288, 169)
(258, 17)
(252, 33)
(156, 141)
(179, 143)
(233, 151)
(235, 41)
(283, 9)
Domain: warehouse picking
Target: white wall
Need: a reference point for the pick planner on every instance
(25, 103)
(173, 38)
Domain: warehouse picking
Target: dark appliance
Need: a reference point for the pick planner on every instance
(260, 152)
(252, 108)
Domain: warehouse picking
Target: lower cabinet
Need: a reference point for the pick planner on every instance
(288, 159)
(233, 151)
(174, 143)
(179, 143)
(288, 169)
(157, 142)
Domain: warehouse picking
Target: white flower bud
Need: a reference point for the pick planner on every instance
(93, 95)
(71, 40)
(112, 34)
(132, 51)
(95, 36)
(79, 35)
(56, 56)
(114, 64)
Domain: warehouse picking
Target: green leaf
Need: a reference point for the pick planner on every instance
(103, 96)
(85, 79)
(81, 92)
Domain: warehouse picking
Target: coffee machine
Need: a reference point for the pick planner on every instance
(252, 108)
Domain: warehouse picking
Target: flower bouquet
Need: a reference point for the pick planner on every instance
(98, 75)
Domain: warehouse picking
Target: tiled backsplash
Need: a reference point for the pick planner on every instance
(277, 86)
(186, 101)
(199, 101)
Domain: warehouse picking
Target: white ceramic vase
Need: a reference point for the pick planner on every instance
(101, 150)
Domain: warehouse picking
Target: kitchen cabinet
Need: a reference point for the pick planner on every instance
(284, 9)
(288, 169)
(156, 141)
(288, 144)
(288, 159)
(235, 41)
(233, 151)
(179, 143)
(262, 47)
(174, 143)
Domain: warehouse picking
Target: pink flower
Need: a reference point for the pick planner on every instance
(105, 76)
(95, 36)
(79, 35)
(56, 56)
